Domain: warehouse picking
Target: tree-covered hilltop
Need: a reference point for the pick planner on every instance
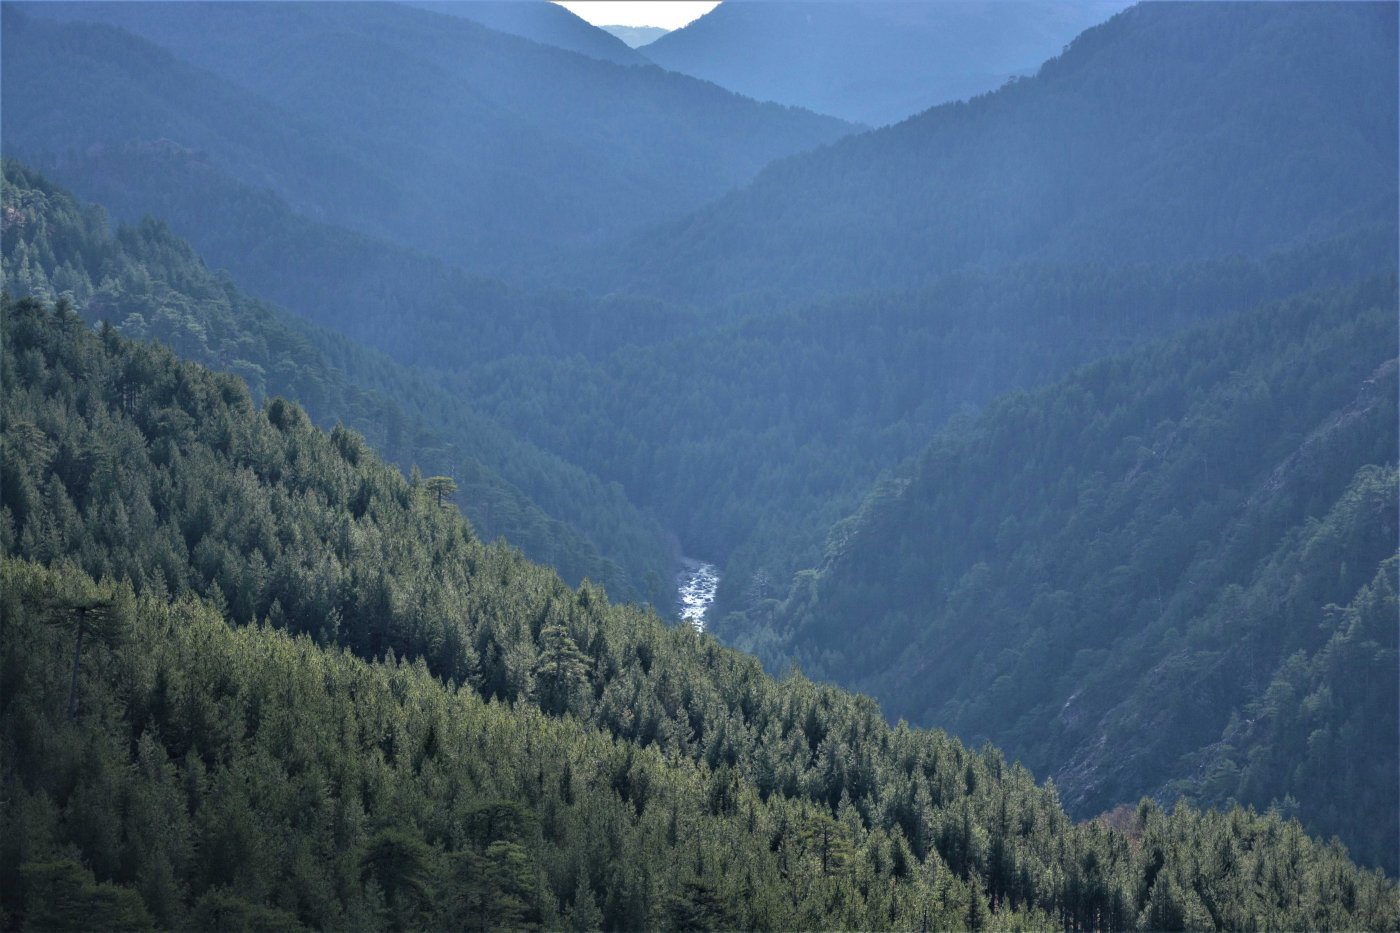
(220, 778)
(1132, 578)
(525, 754)
(150, 284)
(1173, 131)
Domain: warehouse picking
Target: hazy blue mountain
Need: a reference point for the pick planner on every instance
(435, 132)
(873, 62)
(1173, 131)
(636, 36)
(543, 22)
(412, 306)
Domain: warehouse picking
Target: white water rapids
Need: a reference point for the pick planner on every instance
(696, 586)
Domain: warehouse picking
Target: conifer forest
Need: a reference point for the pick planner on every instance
(825, 465)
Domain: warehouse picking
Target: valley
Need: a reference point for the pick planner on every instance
(833, 466)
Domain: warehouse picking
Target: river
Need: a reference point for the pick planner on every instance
(696, 585)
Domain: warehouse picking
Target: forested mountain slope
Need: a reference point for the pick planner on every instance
(872, 61)
(432, 131)
(253, 676)
(1131, 580)
(640, 776)
(1173, 131)
(150, 284)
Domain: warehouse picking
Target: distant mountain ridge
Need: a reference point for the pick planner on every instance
(540, 21)
(873, 61)
(636, 36)
(1170, 132)
(480, 148)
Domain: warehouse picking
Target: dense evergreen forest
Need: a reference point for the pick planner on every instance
(253, 677)
(1227, 491)
(386, 362)
(150, 284)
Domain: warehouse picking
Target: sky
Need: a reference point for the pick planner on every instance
(672, 14)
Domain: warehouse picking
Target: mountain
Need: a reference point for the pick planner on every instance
(149, 284)
(542, 22)
(636, 36)
(255, 678)
(1171, 132)
(873, 62)
(1100, 436)
(1131, 580)
(531, 148)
